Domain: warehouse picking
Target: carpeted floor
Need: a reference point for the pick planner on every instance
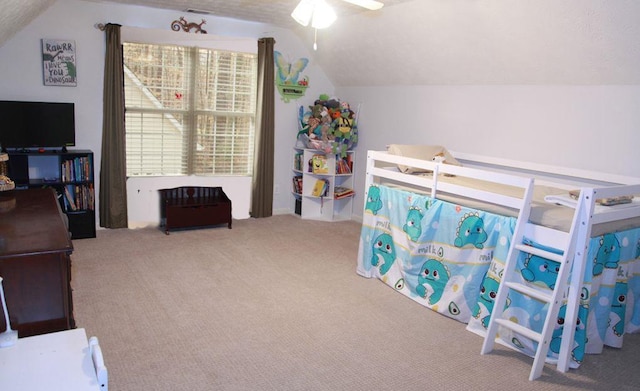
(275, 304)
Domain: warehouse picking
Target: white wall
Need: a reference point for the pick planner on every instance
(21, 67)
(586, 127)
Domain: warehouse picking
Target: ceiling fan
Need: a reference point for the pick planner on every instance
(321, 15)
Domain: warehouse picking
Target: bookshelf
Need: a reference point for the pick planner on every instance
(70, 174)
(322, 185)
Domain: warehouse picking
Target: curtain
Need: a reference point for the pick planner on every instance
(262, 181)
(113, 181)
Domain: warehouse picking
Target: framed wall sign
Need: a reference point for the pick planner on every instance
(59, 62)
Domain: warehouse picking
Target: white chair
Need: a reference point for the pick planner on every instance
(98, 363)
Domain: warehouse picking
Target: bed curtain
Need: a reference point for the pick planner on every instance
(450, 258)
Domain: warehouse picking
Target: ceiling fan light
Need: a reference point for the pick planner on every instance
(323, 15)
(303, 12)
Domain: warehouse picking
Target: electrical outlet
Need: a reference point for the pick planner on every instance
(276, 189)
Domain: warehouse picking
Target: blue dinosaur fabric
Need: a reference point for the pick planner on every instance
(450, 258)
(609, 307)
(431, 251)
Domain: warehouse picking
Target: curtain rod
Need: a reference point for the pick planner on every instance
(102, 26)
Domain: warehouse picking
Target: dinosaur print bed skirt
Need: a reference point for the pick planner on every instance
(449, 258)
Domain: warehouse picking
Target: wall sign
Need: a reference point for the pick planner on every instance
(288, 81)
(59, 62)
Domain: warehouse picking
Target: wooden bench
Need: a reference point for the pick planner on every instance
(193, 206)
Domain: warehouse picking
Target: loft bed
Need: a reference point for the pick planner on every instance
(441, 231)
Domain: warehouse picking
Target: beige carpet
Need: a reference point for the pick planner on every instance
(275, 304)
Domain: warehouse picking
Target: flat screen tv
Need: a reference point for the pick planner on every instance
(26, 125)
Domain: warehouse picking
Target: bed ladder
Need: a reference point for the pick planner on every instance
(558, 246)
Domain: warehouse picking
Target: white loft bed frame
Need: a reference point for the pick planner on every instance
(593, 186)
(376, 171)
(507, 172)
(560, 177)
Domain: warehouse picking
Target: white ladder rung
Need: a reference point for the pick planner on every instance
(539, 252)
(544, 296)
(520, 329)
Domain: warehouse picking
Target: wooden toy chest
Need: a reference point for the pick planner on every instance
(194, 206)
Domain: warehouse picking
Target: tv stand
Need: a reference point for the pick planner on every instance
(64, 150)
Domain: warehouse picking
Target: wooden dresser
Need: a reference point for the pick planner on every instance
(35, 262)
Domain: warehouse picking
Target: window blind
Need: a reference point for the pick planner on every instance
(189, 110)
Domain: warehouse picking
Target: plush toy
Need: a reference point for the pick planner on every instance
(329, 125)
(316, 110)
(313, 125)
(439, 157)
(343, 124)
(325, 128)
(332, 104)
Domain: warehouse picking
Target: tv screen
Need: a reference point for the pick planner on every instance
(37, 124)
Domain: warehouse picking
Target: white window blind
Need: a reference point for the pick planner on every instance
(189, 110)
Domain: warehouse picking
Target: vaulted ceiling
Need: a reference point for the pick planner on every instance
(441, 42)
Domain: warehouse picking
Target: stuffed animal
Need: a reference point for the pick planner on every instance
(343, 124)
(316, 110)
(329, 125)
(313, 125)
(325, 129)
(439, 157)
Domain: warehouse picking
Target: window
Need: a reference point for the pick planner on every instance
(189, 110)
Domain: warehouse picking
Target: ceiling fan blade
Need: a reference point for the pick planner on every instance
(368, 4)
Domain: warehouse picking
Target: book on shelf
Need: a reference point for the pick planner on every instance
(343, 166)
(297, 161)
(297, 184)
(76, 170)
(79, 197)
(342, 192)
(71, 203)
(320, 188)
(319, 164)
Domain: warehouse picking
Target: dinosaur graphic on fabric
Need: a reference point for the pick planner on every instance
(471, 231)
(412, 226)
(383, 250)
(374, 203)
(619, 307)
(540, 269)
(434, 274)
(580, 336)
(488, 292)
(608, 254)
